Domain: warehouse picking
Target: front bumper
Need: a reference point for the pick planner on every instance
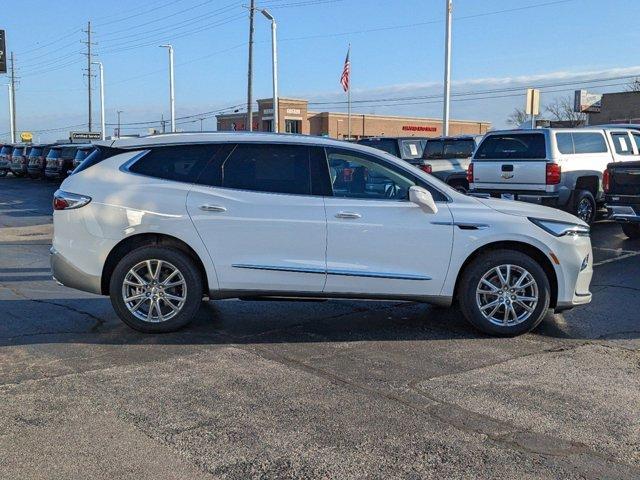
(68, 275)
(574, 272)
(5, 165)
(18, 168)
(53, 173)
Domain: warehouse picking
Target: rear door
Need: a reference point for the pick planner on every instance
(511, 161)
(261, 219)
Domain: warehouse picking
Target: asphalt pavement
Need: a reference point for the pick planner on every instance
(334, 389)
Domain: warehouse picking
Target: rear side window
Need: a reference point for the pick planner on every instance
(272, 168)
(570, 143)
(622, 143)
(412, 148)
(181, 163)
(528, 146)
(389, 145)
(434, 149)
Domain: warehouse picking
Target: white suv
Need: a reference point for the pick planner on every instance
(161, 222)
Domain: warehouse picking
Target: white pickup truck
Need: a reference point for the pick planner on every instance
(558, 167)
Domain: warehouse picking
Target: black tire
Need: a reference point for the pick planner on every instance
(584, 206)
(631, 230)
(3, 173)
(483, 264)
(17, 174)
(181, 262)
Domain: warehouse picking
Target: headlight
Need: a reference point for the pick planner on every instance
(560, 229)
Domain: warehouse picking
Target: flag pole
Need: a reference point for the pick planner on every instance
(349, 96)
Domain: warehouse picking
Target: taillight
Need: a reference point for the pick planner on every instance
(606, 181)
(426, 167)
(470, 173)
(67, 201)
(553, 174)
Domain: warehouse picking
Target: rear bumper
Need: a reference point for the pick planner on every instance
(68, 275)
(624, 213)
(550, 199)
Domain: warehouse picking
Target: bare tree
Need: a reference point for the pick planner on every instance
(562, 110)
(634, 85)
(517, 117)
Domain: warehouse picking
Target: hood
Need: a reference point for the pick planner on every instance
(524, 209)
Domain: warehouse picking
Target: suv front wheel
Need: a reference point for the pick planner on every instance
(504, 293)
(156, 289)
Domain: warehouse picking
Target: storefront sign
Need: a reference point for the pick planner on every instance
(26, 137)
(418, 128)
(293, 111)
(586, 102)
(84, 136)
(3, 53)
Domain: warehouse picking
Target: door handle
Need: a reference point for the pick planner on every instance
(212, 208)
(352, 215)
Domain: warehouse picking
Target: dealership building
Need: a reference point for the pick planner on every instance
(295, 117)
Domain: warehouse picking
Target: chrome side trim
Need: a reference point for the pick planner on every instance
(392, 276)
(464, 225)
(346, 273)
(280, 269)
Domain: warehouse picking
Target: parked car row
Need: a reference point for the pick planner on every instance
(51, 161)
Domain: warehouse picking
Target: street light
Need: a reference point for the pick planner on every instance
(274, 67)
(119, 112)
(172, 97)
(447, 69)
(102, 120)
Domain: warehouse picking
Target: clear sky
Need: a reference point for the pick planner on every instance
(397, 52)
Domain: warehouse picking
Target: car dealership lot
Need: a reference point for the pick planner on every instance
(300, 389)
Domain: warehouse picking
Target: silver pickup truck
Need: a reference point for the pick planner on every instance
(558, 167)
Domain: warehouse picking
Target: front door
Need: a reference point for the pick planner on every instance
(378, 242)
(264, 227)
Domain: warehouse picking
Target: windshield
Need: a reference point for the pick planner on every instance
(17, 151)
(81, 154)
(460, 148)
(54, 153)
(389, 145)
(6, 150)
(35, 151)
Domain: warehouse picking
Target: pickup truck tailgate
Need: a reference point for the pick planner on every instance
(625, 178)
(510, 175)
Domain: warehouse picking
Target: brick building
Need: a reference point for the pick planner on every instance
(295, 117)
(620, 107)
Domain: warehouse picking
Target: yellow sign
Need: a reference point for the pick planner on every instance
(26, 137)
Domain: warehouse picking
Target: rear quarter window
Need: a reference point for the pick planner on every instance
(180, 163)
(570, 143)
(523, 146)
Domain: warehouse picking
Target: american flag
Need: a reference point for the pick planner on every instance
(346, 71)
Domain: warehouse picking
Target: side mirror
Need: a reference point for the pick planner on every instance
(422, 197)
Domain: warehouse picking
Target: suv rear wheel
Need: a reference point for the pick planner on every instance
(584, 206)
(631, 230)
(504, 293)
(156, 289)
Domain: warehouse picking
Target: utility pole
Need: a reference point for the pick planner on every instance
(89, 74)
(447, 70)
(12, 99)
(201, 120)
(163, 124)
(249, 126)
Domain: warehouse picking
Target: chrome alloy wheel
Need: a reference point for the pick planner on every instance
(584, 210)
(507, 295)
(154, 291)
